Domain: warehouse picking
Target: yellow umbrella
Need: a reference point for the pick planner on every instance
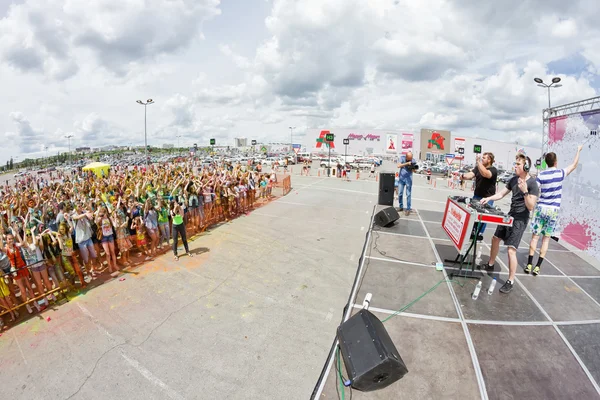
(97, 168)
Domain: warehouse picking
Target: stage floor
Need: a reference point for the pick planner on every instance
(541, 341)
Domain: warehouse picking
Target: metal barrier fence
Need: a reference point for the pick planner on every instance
(222, 209)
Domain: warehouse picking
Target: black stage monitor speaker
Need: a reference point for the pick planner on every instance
(370, 357)
(386, 188)
(386, 217)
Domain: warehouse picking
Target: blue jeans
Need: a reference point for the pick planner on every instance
(401, 185)
(482, 227)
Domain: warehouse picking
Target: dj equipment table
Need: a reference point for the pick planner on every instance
(461, 215)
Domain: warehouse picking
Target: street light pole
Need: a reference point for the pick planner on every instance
(149, 101)
(292, 141)
(69, 136)
(553, 84)
(178, 145)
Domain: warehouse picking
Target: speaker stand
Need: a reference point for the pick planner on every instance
(463, 261)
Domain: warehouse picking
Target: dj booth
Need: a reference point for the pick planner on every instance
(463, 219)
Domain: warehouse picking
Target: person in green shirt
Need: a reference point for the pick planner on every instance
(163, 222)
(179, 229)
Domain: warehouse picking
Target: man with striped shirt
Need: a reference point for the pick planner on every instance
(545, 215)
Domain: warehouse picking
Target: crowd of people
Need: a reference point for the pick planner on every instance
(66, 229)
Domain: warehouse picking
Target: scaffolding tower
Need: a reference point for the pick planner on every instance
(563, 111)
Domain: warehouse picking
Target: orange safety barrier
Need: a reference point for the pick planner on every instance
(222, 209)
(287, 185)
(61, 288)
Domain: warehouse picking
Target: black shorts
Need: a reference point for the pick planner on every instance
(511, 235)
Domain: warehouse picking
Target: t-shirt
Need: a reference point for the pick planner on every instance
(485, 187)
(177, 219)
(163, 215)
(405, 173)
(106, 227)
(550, 183)
(67, 245)
(518, 209)
(4, 263)
(83, 230)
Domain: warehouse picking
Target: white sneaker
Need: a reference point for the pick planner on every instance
(28, 307)
(37, 306)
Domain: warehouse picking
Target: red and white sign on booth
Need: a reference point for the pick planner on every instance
(456, 223)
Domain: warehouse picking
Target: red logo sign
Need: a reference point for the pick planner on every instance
(321, 139)
(436, 140)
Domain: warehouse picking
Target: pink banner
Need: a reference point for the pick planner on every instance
(407, 142)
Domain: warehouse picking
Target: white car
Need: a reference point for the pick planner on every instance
(324, 163)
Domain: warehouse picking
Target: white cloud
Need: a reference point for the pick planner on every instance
(565, 29)
(239, 60)
(462, 65)
(56, 36)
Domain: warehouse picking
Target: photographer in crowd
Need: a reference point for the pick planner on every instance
(407, 165)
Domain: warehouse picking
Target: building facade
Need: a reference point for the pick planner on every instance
(428, 144)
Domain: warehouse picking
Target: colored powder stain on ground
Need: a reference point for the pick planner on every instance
(35, 328)
(74, 295)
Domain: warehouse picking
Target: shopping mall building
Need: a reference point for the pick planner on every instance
(428, 144)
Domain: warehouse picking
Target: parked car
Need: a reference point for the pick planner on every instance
(505, 177)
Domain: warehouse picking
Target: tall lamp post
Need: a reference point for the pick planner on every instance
(69, 136)
(292, 141)
(149, 101)
(178, 145)
(553, 84)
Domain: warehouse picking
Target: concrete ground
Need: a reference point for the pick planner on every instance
(538, 342)
(254, 313)
(251, 316)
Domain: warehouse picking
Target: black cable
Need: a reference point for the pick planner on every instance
(384, 254)
(355, 283)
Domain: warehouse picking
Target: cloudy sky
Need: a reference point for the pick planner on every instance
(253, 68)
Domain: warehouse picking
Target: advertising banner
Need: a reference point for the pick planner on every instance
(455, 223)
(459, 148)
(579, 220)
(407, 142)
(391, 143)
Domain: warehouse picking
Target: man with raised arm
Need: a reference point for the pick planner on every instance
(486, 176)
(545, 215)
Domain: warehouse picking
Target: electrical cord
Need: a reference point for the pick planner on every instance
(340, 379)
(359, 280)
(384, 253)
